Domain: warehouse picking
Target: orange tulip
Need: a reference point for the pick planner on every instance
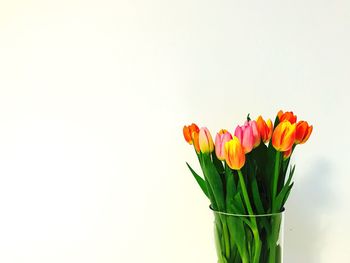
(283, 136)
(234, 154)
(196, 141)
(265, 129)
(287, 116)
(189, 132)
(303, 132)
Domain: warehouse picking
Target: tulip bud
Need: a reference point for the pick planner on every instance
(206, 144)
(283, 136)
(265, 129)
(189, 132)
(256, 135)
(221, 138)
(234, 154)
(303, 132)
(287, 154)
(245, 136)
(287, 116)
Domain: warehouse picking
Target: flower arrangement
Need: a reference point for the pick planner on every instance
(248, 178)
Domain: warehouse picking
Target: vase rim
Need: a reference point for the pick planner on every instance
(247, 215)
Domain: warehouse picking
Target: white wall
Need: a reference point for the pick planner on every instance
(93, 97)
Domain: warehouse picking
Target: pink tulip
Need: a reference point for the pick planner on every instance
(255, 130)
(206, 144)
(221, 138)
(245, 135)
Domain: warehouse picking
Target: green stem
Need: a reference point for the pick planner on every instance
(226, 238)
(258, 245)
(245, 258)
(275, 181)
(254, 225)
(273, 238)
(272, 255)
(245, 193)
(272, 244)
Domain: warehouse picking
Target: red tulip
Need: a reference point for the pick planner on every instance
(287, 116)
(303, 132)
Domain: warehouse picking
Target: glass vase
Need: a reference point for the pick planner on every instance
(249, 238)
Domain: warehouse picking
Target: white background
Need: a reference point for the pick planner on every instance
(93, 98)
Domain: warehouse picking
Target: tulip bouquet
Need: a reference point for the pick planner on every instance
(248, 178)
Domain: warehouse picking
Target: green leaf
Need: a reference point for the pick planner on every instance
(218, 245)
(248, 117)
(210, 190)
(259, 159)
(278, 254)
(199, 180)
(230, 173)
(230, 191)
(287, 195)
(238, 204)
(214, 180)
(281, 197)
(220, 168)
(283, 172)
(237, 234)
(234, 253)
(256, 196)
(285, 191)
(259, 154)
(291, 173)
(269, 170)
(218, 164)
